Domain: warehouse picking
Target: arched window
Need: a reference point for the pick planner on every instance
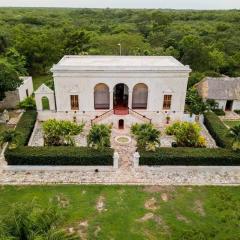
(101, 96)
(45, 103)
(140, 96)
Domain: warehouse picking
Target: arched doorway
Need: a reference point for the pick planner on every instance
(120, 96)
(45, 103)
(140, 96)
(101, 96)
(121, 124)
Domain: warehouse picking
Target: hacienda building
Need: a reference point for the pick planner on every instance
(224, 90)
(121, 90)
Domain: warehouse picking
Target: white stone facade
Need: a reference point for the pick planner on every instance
(79, 76)
(13, 98)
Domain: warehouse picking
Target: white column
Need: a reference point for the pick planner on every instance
(115, 160)
(111, 99)
(136, 157)
(130, 99)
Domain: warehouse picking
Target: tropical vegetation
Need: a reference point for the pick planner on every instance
(60, 133)
(31, 221)
(99, 136)
(187, 134)
(234, 132)
(10, 136)
(28, 103)
(147, 136)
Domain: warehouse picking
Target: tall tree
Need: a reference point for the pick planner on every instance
(9, 78)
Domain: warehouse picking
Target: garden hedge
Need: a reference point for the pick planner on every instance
(218, 130)
(25, 127)
(59, 156)
(24, 155)
(190, 157)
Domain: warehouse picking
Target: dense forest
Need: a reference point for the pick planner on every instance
(31, 40)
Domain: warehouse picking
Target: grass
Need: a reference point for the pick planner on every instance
(232, 123)
(172, 212)
(39, 80)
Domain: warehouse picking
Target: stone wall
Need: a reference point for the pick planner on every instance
(11, 100)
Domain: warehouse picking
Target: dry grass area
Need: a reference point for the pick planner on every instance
(128, 212)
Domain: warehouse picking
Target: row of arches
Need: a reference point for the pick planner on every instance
(121, 96)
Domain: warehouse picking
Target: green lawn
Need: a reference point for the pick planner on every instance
(39, 80)
(232, 123)
(125, 212)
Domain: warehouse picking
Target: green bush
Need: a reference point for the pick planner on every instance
(25, 127)
(190, 157)
(219, 112)
(59, 156)
(28, 104)
(218, 130)
(237, 111)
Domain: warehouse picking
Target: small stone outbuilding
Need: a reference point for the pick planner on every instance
(13, 98)
(224, 90)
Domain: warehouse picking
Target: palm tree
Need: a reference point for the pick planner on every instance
(27, 222)
(147, 136)
(99, 136)
(234, 132)
(10, 136)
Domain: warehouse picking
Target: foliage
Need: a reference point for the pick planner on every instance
(10, 136)
(190, 157)
(234, 132)
(29, 221)
(194, 78)
(18, 61)
(99, 136)
(148, 137)
(218, 130)
(9, 79)
(60, 133)
(237, 111)
(28, 104)
(25, 127)
(195, 102)
(173, 129)
(62, 155)
(187, 134)
(219, 112)
(77, 42)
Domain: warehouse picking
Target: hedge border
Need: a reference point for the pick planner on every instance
(218, 130)
(190, 157)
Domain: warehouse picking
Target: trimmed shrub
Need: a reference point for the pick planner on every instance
(25, 127)
(237, 111)
(28, 103)
(190, 157)
(219, 112)
(59, 156)
(218, 130)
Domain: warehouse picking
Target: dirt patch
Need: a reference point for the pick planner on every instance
(157, 219)
(182, 218)
(155, 189)
(62, 201)
(96, 232)
(151, 204)
(101, 204)
(146, 217)
(165, 197)
(198, 207)
(80, 229)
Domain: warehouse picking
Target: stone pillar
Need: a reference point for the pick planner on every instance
(111, 99)
(115, 160)
(130, 99)
(136, 157)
